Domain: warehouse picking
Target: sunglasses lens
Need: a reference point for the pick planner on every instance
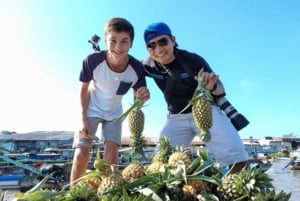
(151, 46)
(161, 42)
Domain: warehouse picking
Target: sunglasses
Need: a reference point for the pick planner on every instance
(161, 42)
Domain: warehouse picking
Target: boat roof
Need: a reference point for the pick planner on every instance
(38, 135)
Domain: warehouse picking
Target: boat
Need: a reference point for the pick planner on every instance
(259, 163)
(25, 176)
(295, 163)
(10, 181)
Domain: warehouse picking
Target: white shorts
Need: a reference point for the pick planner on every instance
(225, 144)
(110, 131)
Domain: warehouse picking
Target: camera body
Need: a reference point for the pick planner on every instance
(94, 41)
(237, 119)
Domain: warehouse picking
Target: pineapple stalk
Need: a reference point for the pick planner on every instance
(138, 103)
(100, 164)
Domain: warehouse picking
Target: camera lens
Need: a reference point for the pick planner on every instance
(237, 119)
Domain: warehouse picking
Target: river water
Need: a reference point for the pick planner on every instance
(283, 179)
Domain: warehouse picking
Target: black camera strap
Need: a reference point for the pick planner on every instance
(172, 78)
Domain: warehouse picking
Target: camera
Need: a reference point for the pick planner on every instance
(237, 119)
(94, 41)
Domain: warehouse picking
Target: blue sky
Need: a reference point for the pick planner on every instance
(254, 46)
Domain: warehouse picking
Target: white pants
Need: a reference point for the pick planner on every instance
(225, 143)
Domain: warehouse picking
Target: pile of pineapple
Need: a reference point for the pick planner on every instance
(171, 176)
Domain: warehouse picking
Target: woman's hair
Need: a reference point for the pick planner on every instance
(119, 24)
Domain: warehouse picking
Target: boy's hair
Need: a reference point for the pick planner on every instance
(119, 24)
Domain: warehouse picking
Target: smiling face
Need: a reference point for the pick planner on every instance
(161, 49)
(119, 35)
(118, 44)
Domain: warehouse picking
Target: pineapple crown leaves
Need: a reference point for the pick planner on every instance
(149, 193)
(31, 193)
(271, 195)
(140, 197)
(101, 164)
(138, 103)
(208, 197)
(204, 178)
(182, 149)
(201, 168)
(179, 171)
(203, 154)
(164, 149)
(165, 145)
(89, 175)
(2, 195)
(39, 195)
(255, 180)
(200, 92)
(82, 192)
(152, 178)
(138, 140)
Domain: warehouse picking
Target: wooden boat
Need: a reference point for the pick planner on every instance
(258, 163)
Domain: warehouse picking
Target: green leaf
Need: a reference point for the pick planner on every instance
(203, 167)
(40, 184)
(138, 103)
(148, 179)
(149, 193)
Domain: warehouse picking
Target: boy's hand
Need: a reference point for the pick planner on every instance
(142, 93)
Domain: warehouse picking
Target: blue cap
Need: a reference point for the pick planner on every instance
(156, 29)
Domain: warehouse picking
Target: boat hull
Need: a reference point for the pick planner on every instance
(296, 166)
(10, 181)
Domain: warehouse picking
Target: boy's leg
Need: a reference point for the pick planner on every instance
(82, 147)
(111, 134)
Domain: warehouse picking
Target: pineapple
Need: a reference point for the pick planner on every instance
(229, 190)
(202, 110)
(133, 171)
(136, 120)
(245, 184)
(180, 154)
(194, 187)
(94, 182)
(161, 156)
(92, 178)
(202, 113)
(155, 167)
(108, 183)
(164, 150)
